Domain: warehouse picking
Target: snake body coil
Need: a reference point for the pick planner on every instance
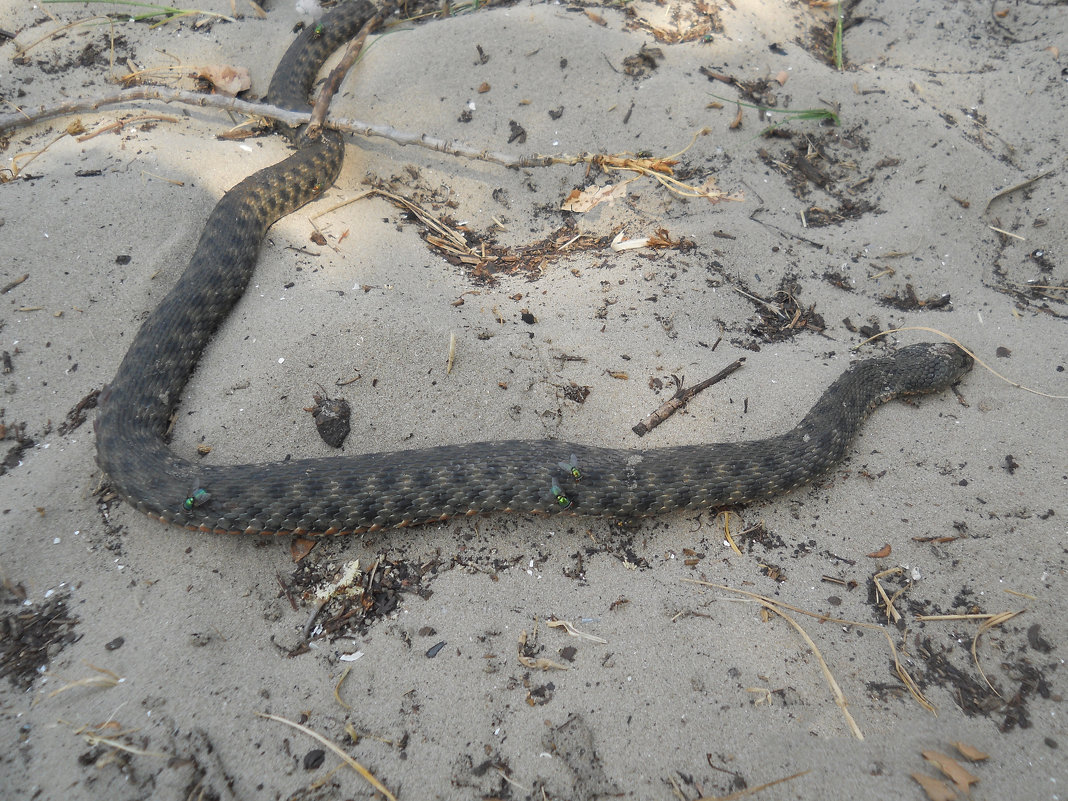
(382, 490)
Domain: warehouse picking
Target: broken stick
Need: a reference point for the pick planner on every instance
(681, 398)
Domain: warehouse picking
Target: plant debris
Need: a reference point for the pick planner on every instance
(33, 635)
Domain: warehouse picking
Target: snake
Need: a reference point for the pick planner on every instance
(373, 491)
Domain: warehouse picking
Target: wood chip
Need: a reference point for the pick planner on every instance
(936, 789)
(952, 769)
(970, 753)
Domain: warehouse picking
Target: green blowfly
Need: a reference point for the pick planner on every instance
(199, 497)
(317, 31)
(571, 467)
(558, 494)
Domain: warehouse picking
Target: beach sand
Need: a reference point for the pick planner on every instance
(675, 688)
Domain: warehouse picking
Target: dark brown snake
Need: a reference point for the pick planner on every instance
(382, 490)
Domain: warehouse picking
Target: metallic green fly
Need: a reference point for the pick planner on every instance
(571, 467)
(558, 495)
(199, 497)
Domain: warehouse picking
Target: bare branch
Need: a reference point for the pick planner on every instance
(681, 398)
(32, 115)
(337, 75)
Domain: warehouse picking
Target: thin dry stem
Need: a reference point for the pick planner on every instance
(836, 691)
(352, 763)
(337, 688)
(996, 620)
(752, 790)
(107, 679)
(902, 673)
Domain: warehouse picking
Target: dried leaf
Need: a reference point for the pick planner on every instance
(597, 19)
(951, 768)
(583, 200)
(661, 239)
(300, 547)
(882, 553)
(737, 121)
(227, 80)
(936, 789)
(971, 753)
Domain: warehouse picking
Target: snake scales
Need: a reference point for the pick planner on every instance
(382, 490)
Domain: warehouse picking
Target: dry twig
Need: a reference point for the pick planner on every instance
(681, 398)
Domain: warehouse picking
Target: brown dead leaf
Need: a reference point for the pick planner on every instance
(936, 789)
(595, 18)
(300, 547)
(661, 239)
(971, 753)
(737, 121)
(882, 553)
(952, 769)
(227, 80)
(582, 200)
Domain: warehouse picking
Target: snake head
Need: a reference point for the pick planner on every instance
(930, 367)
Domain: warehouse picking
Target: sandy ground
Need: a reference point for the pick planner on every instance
(682, 691)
